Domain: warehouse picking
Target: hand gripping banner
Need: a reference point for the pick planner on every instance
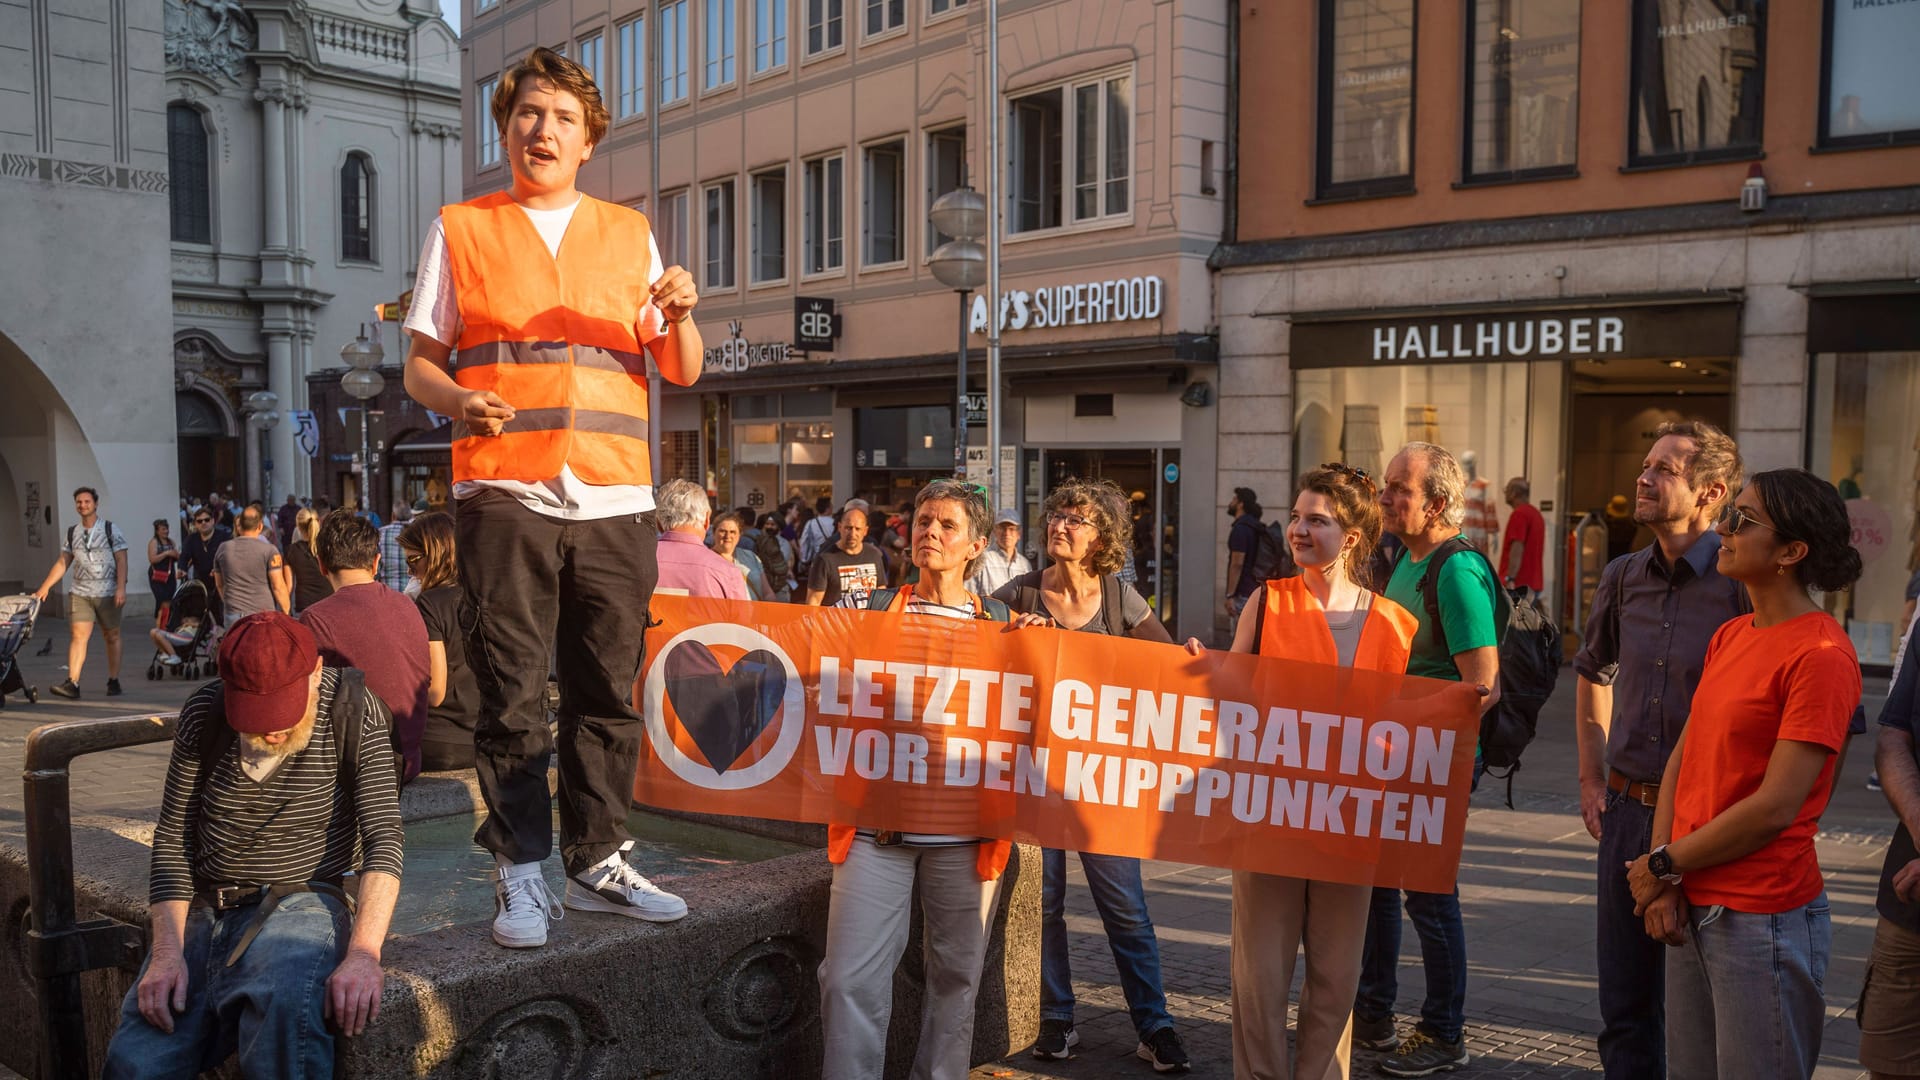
(1068, 740)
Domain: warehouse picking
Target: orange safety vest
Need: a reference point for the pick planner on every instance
(1296, 629)
(990, 863)
(555, 337)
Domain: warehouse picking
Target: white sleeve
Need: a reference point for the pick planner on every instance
(651, 324)
(435, 312)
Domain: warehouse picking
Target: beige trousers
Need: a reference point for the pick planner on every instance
(867, 926)
(1272, 918)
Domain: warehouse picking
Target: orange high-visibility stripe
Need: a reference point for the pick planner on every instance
(555, 337)
(1296, 629)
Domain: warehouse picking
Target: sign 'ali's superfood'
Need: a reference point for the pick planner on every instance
(965, 727)
(1084, 304)
(1483, 335)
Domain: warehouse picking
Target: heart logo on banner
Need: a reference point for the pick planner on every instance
(724, 711)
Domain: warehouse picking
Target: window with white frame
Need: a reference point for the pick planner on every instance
(768, 207)
(670, 228)
(826, 27)
(946, 170)
(590, 58)
(630, 68)
(720, 38)
(673, 52)
(718, 246)
(883, 187)
(941, 7)
(823, 209)
(1070, 154)
(769, 35)
(885, 15)
(489, 145)
(484, 5)
(356, 208)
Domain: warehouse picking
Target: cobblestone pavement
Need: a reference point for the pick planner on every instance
(1526, 887)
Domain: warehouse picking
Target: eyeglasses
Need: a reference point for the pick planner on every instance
(415, 557)
(1359, 476)
(1073, 522)
(203, 521)
(1733, 519)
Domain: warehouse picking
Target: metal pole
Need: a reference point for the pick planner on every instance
(994, 172)
(366, 461)
(960, 400)
(650, 101)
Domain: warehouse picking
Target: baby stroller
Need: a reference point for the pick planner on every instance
(16, 626)
(194, 647)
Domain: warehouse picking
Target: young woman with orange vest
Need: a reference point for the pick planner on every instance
(1324, 616)
(874, 870)
(551, 481)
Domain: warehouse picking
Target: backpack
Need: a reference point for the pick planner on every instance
(990, 609)
(1529, 663)
(1271, 557)
(109, 534)
(350, 699)
(1113, 607)
(767, 546)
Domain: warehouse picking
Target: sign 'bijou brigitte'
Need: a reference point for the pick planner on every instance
(1067, 740)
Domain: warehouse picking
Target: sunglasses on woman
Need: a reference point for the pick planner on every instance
(1733, 519)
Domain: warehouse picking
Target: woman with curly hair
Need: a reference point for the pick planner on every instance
(1088, 537)
(452, 695)
(1732, 881)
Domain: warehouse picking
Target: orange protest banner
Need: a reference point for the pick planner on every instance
(1069, 740)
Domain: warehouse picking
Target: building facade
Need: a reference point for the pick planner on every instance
(1605, 216)
(800, 144)
(83, 195)
(309, 144)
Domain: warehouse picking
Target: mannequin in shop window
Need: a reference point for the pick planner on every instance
(1483, 519)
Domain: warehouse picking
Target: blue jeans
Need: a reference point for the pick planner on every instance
(1632, 966)
(1443, 949)
(1122, 902)
(268, 1007)
(1745, 994)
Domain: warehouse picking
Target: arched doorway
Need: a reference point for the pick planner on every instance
(209, 445)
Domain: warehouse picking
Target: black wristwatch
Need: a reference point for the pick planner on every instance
(1660, 865)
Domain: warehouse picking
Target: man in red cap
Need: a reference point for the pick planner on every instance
(255, 944)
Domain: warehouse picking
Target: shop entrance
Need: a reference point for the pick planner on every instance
(1614, 407)
(1151, 479)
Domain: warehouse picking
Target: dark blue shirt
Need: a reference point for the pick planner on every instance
(1244, 538)
(1647, 638)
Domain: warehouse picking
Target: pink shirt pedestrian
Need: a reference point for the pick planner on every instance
(689, 566)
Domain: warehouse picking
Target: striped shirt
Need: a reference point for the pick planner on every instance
(299, 825)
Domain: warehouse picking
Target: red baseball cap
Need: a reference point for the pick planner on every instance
(266, 661)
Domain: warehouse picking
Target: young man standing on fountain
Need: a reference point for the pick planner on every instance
(552, 482)
(282, 780)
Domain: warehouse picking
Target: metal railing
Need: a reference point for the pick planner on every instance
(59, 946)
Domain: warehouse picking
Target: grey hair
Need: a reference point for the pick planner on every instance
(1446, 481)
(681, 503)
(979, 517)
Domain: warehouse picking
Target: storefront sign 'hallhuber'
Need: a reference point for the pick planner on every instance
(1442, 336)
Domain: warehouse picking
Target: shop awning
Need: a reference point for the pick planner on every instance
(1863, 316)
(436, 441)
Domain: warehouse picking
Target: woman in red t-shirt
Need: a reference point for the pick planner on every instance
(1732, 880)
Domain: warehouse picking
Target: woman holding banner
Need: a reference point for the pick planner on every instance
(1738, 890)
(1326, 615)
(1088, 539)
(875, 870)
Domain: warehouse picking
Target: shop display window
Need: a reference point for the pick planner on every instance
(775, 459)
(1870, 92)
(1523, 88)
(1366, 97)
(1698, 71)
(1864, 436)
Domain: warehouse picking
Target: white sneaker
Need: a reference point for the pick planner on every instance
(523, 905)
(170, 660)
(612, 885)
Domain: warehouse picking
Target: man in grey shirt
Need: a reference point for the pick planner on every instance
(248, 572)
(1654, 612)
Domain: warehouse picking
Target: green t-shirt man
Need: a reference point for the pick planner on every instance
(1466, 609)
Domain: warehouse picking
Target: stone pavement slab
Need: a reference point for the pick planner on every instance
(1526, 892)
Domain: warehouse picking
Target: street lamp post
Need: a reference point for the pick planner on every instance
(362, 381)
(960, 264)
(263, 412)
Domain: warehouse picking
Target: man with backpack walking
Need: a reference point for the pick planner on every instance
(1654, 612)
(97, 552)
(1450, 587)
(1243, 543)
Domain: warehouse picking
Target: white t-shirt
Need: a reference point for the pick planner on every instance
(94, 574)
(436, 313)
